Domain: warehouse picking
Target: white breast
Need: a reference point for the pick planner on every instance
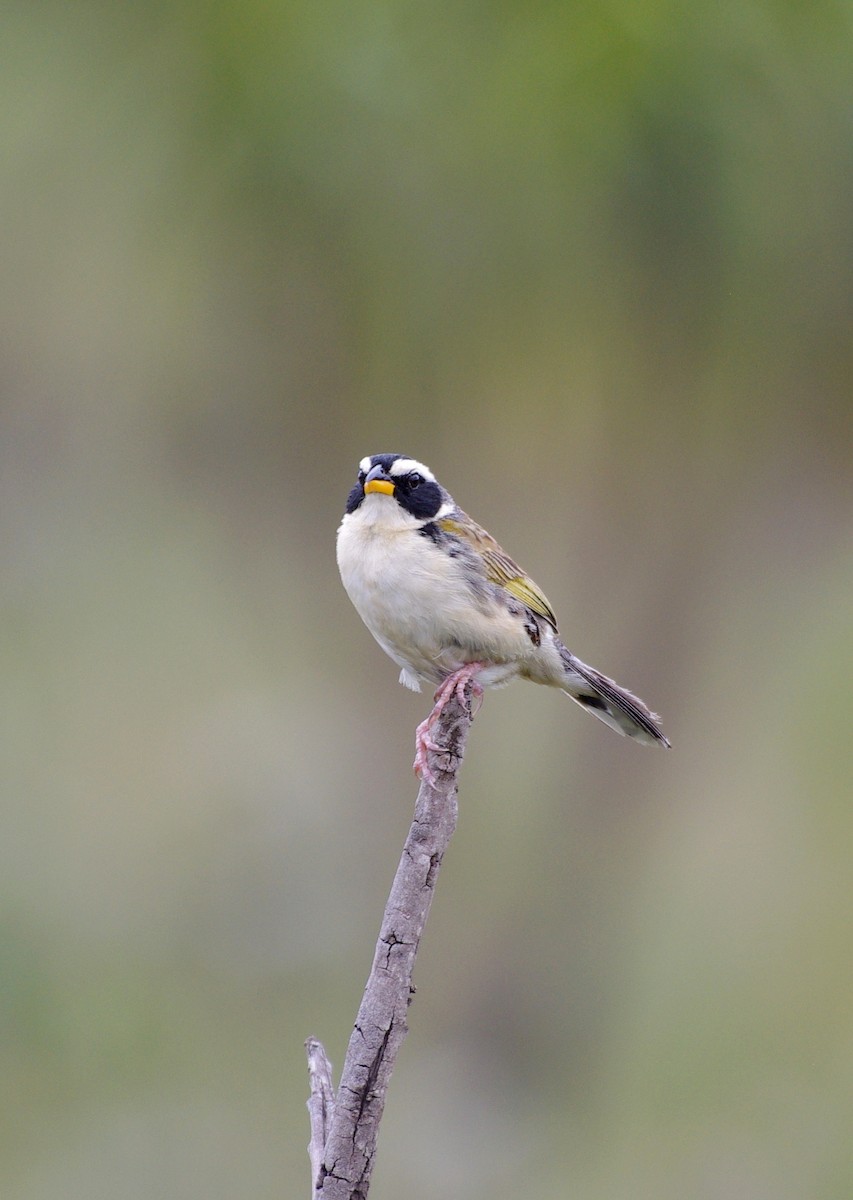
(401, 588)
(415, 600)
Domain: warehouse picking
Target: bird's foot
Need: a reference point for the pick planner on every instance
(423, 744)
(455, 684)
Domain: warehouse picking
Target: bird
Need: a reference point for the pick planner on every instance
(452, 609)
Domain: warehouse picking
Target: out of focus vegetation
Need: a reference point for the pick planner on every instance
(593, 262)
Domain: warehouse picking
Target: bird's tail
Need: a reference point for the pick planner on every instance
(612, 704)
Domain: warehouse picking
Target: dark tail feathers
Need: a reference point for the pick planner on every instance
(612, 704)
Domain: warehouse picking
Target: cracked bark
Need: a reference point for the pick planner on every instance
(345, 1128)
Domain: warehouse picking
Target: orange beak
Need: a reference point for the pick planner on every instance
(385, 486)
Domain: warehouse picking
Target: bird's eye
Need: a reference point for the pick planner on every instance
(362, 475)
(414, 480)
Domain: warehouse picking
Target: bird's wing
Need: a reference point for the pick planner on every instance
(498, 566)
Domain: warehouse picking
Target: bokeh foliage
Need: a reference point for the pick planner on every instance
(594, 264)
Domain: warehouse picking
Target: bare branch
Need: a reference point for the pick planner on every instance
(351, 1132)
(321, 1105)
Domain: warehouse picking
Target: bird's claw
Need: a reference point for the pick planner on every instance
(455, 684)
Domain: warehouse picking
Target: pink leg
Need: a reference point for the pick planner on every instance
(455, 683)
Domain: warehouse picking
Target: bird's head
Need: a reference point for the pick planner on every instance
(394, 489)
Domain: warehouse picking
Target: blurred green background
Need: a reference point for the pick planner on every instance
(593, 262)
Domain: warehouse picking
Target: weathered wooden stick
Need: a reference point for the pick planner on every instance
(321, 1105)
(345, 1128)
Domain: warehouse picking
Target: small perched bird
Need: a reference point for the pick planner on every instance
(452, 609)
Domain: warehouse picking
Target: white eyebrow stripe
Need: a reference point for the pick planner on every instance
(404, 465)
(364, 465)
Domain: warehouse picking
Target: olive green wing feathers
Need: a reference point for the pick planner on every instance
(498, 566)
